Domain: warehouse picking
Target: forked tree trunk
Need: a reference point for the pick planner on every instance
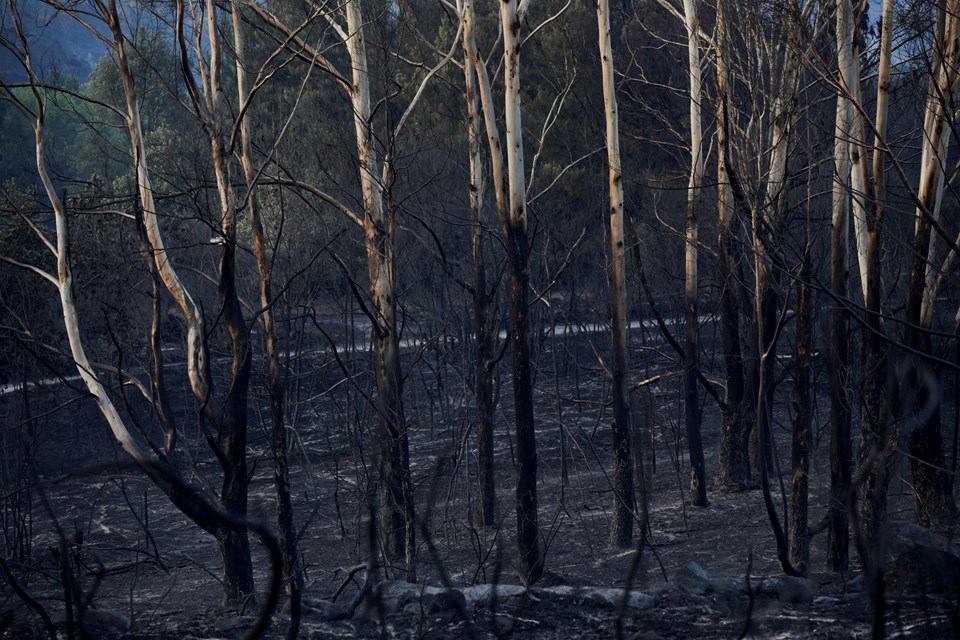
(767, 223)
(621, 532)
(230, 423)
(873, 357)
(838, 540)
(232, 426)
(482, 313)
(510, 194)
(931, 480)
(201, 508)
(691, 369)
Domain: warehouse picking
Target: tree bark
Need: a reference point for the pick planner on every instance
(621, 532)
(698, 482)
(838, 540)
(733, 467)
(286, 528)
(513, 219)
(511, 207)
(873, 356)
(395, 487)
(802, 421)
(482, 312)
(931, 480)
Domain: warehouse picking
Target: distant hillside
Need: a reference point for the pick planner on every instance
(56, 41)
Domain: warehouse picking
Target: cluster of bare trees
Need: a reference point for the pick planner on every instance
(755, 167)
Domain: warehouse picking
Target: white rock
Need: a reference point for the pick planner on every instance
(599, 596)
(483, 593)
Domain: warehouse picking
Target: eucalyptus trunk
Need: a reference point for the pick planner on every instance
(875, 435)
(931, 480)
(286, 528)
(691, 369)
(621, 532)
(518, 257)
(394, 485)
(838, 540)
(482, 313)
(733, 467)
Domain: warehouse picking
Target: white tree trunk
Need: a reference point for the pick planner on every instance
(516, 181)
(698, 484)
(196, 349)
(621, 533)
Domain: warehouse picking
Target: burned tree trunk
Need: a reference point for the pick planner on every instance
(838, 541)
(691, 367)
(394, 485)
(802, 421)
(286, 528)
(733, 467)
(931, 480)
(621, 532)
(873, 356)
(485, 511)
(510, 194)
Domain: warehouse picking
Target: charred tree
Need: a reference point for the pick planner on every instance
(509, 180)
(286, 527)
(621, 532)
(482, 307)
(733, 467)
(838, 541)
(691, 368)
(931, 480)
(802, 420)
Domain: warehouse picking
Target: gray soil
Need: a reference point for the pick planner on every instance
(132, 553)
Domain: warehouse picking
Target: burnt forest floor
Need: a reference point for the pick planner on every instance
(67, 486)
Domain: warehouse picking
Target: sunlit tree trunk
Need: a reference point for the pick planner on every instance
(395, 488)
(508, 180)
(838, 540)
(482, 312)
(621, 533)
(698, 483)
(518, 256)
(873, 357)
(931, 480)
(286, 529)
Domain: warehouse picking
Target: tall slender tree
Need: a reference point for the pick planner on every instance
(286, 527)
(698, 481)
(509, 180)
(840, 446)
(621, 533)
(931, 480)
(733, 466)
(482, 297)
